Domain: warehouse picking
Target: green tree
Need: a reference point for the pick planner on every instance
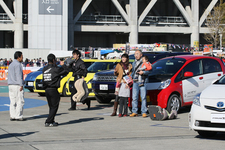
(216, 24)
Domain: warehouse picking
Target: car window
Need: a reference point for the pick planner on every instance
(151, 58)
(157, 57)
(166, 68)
(131, 58)
(195, 67)
(99, 66)
(87, 64)
(221, 80)
(41, 69)
(211, 65)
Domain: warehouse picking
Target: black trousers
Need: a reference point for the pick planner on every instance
(123, 105)
(53, 99)
(73, 91)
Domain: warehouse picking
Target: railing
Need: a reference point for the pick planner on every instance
(164, 20)
(102, 19)
(115, 19)
(5, 18)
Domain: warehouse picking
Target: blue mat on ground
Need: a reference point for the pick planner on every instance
(5, 89)
(29, 103)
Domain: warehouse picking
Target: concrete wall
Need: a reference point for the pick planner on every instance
(48, 30)
(27, 53)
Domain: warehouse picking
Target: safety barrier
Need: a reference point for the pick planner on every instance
(4, 74)
(25, 73)
(4, 68)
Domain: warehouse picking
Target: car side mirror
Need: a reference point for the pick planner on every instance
(188, 74)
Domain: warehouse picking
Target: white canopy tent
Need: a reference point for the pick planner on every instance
(61, 54)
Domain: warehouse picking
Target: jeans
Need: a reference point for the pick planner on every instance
(135, 95)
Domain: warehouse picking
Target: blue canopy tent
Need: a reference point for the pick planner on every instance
(106, 51)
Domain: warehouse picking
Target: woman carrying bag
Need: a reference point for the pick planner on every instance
(123, 68)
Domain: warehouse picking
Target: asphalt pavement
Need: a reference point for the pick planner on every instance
(95, 129)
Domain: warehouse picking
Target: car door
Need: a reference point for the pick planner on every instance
(192, 85)
(212, 71)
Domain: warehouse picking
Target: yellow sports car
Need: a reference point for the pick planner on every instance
(38, 85)
(95, 67)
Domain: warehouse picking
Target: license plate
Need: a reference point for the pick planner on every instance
(103, 86)
(218, 118)
(30, 83)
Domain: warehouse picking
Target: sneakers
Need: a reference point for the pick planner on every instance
(12, 119)
(125, 115)
(120, 115)
(165, 114)
(54, 124)
(133, 115)
(21, 119)
(144, 115)
(173, 114)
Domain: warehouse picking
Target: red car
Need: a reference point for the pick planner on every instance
(174, 81)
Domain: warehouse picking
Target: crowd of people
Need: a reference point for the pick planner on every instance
(27, 62)
(5, 62)
(50, 79)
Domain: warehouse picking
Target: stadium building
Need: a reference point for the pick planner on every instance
(60, 24)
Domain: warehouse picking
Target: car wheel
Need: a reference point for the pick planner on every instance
(41, 94)
(101, 99)
(64, 91)
(173, 103)
(207, 134)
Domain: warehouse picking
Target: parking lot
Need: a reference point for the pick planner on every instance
(96, 129)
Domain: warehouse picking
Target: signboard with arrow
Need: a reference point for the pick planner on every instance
(50, 7)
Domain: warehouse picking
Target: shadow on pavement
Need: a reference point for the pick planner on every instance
(218, 136)
(81, 120)
(43, 116)
(98, 107)
(10, 135)
(184, 109)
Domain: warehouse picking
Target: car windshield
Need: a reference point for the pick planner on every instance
(99, 66)
(87, 64)
(151, 58)
(221, 80)
(167, 67)
(40, 69)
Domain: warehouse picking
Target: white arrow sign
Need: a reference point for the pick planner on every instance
(49, 10)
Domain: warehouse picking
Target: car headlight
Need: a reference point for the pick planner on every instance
(95, 77)
(196, 100)
(165, 84)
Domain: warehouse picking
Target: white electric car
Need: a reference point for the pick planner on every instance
(207, 115)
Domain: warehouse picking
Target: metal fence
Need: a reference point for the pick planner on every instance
(115, 19)
(4, 18)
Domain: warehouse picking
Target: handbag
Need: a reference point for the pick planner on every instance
(128, 79)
